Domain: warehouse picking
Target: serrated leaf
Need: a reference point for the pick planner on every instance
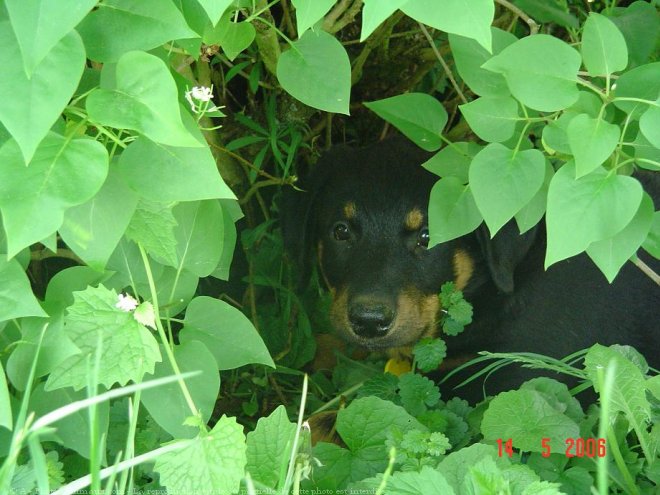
(628, 390)
(152, 226)
(93, 229)
(526, 418)
(143, 98)
(183, 174)
(453, 160)
(603, 47)
(592, 141)
(308, 12)
(611, 254)
(269, 447)
(503, 181)
(128, 348)
(215, 8)
(39, 25)
(492, 118)
(417, 393)
(591, 208)
(227, 333)
(429, 353)
(316, 70)
(203, 388)
(119, 26)
(417, 115)
(34, 104)
(428, 480)
(470, 56)
(470, 18)
(456, 466)
(452, 211)
(214, 461)
(16, 297)
(375, 12)
(540, 70)
(63, 173)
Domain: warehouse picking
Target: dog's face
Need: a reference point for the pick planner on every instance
(365, 221)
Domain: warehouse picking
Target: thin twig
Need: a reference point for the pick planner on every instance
(450, 76)
(648, 271)
(533, 26)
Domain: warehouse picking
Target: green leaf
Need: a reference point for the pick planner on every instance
(548, 11)
(428, 480)
(73, 431)
(503, 181)
(470, 56)
(63, 173)
(526, 417)
(429, 353)
(641, 83)
(592, 141)
(16, 297)
(591, 208)
(417, 393)
(611, 254)
(308, 12)
(533, 211)
(418, 116)
(165, 173)
(628, 392)
(152, 226)
(143, 98)
(199, 235)
(92, 322)
(119, 26)
(603, 46)
(214, 461)
(652, 242)
(469, 18)
(375, 12)
(316, 71)
(453, 160)
(236, 37)
(92, 230)
(203, 388)
(540, 70)
(458, 465)
(269, 447)
(39, 26)
(34, 104)
(227, 333)
(215, 8)
(492, 118)
(639, 23)
(452, 211)
(228, 240)
(649, 124)
(6, 419)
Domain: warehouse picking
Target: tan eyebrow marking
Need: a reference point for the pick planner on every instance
(414, 219)
(350, 210)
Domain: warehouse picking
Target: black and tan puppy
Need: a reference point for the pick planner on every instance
(363, 218)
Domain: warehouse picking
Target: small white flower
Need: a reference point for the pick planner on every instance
(126, 303)
(202, 93)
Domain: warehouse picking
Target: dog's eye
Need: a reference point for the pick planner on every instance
(423, 239)
(341, 231)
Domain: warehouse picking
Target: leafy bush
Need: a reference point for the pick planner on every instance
(118, 220)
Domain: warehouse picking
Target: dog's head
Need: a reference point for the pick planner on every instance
(363, 218)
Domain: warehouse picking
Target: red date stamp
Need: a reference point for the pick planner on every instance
(574, 447)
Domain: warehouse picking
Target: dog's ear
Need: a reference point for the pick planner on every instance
(504, 252)
(300, 210)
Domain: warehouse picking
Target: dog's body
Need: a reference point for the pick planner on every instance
(364, 218)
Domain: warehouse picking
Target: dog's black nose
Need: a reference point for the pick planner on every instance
(370, 319)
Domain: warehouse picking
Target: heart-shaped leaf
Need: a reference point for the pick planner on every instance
(452, 211)
(592, 141)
